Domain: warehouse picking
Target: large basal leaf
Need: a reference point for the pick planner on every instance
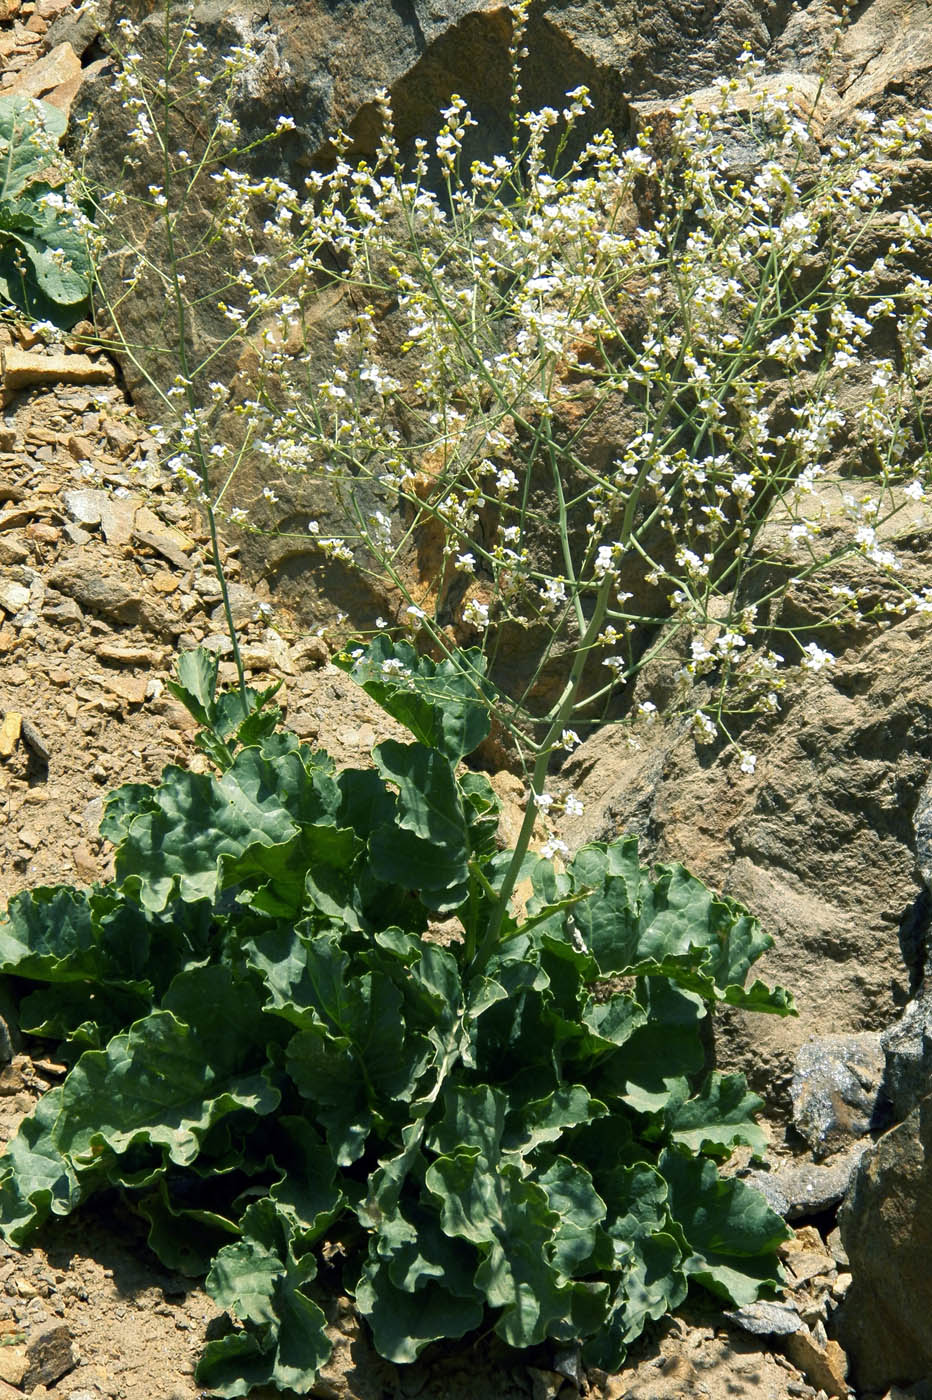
(427, 847)
(29, 132)
(444, 704)
(668, 922)
(718, 1117)
(730, 1229)
(35, 1179)
(509, 1219)
(174, 848)
(260, 1281)
(162, 1084)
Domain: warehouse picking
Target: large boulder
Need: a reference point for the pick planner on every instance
(885, 1324)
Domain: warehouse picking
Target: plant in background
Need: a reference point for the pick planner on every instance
(298, 1084)
(44, 264)
(616, 402)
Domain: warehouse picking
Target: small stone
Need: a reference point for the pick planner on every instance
(13, 1364)
(823, 1366)
(131, 689)
(81, 448)
(120, 437)
(12, 551)
(15, 517)
(129, 656)
(84, 506)
(9, 732)
(22, 368)
(835, 1086)
(13, 596)
(766, 1319)
(43, 534)
(163, 582)
(50, 1356)
(117, 517)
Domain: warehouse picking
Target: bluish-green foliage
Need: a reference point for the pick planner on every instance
(44, 266)
(271, 1052)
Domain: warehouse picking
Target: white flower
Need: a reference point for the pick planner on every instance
(466, 563)
(649, 711)
(569, 739)
(815, 658)
(573, 807)
(914, 491)
(748, 761)
(553, 846)
(543, 801)
(704, 730)
(476, 613)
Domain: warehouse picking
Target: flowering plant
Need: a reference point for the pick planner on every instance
(288, 1066)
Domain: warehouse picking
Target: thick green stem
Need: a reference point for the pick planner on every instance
(559, 716)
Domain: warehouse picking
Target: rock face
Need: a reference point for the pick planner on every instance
(886, 1227)
(818, 842)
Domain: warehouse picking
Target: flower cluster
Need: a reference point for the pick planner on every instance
(512, 315)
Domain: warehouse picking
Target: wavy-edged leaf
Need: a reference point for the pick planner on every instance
(444, 704)
(730, 1229)
(718, 1117)
(260, 1281)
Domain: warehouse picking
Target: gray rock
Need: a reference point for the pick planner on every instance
(922, 831)
(834, 1089)
(766, 1319)
(907, 1046)
(885, 1321)
(110, 597)
(800, 1189)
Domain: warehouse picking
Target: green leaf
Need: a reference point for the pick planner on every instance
(405, 1322)
(35, 1178)
(572, 1195)
(511, 1222)
(730, 1229)
(261, 1282)
(430, 852)
(718, 1117)
(170, 1077)
(444, 704)
(29, 131)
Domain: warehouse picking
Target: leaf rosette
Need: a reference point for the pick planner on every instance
(276, 1061)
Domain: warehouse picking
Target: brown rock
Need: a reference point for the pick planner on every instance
(9, 732)
(22, 368)
(59, 66)
(85, 862)
(129, 656)
(824, 1367)
(12, 552)
(131, 689)
(13, 1364)
(108, 595)
(49, 1355)
(16, 516)
(120, 436)
(43, 534)
(81, 448)
(885, 1321)
(117, 516)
